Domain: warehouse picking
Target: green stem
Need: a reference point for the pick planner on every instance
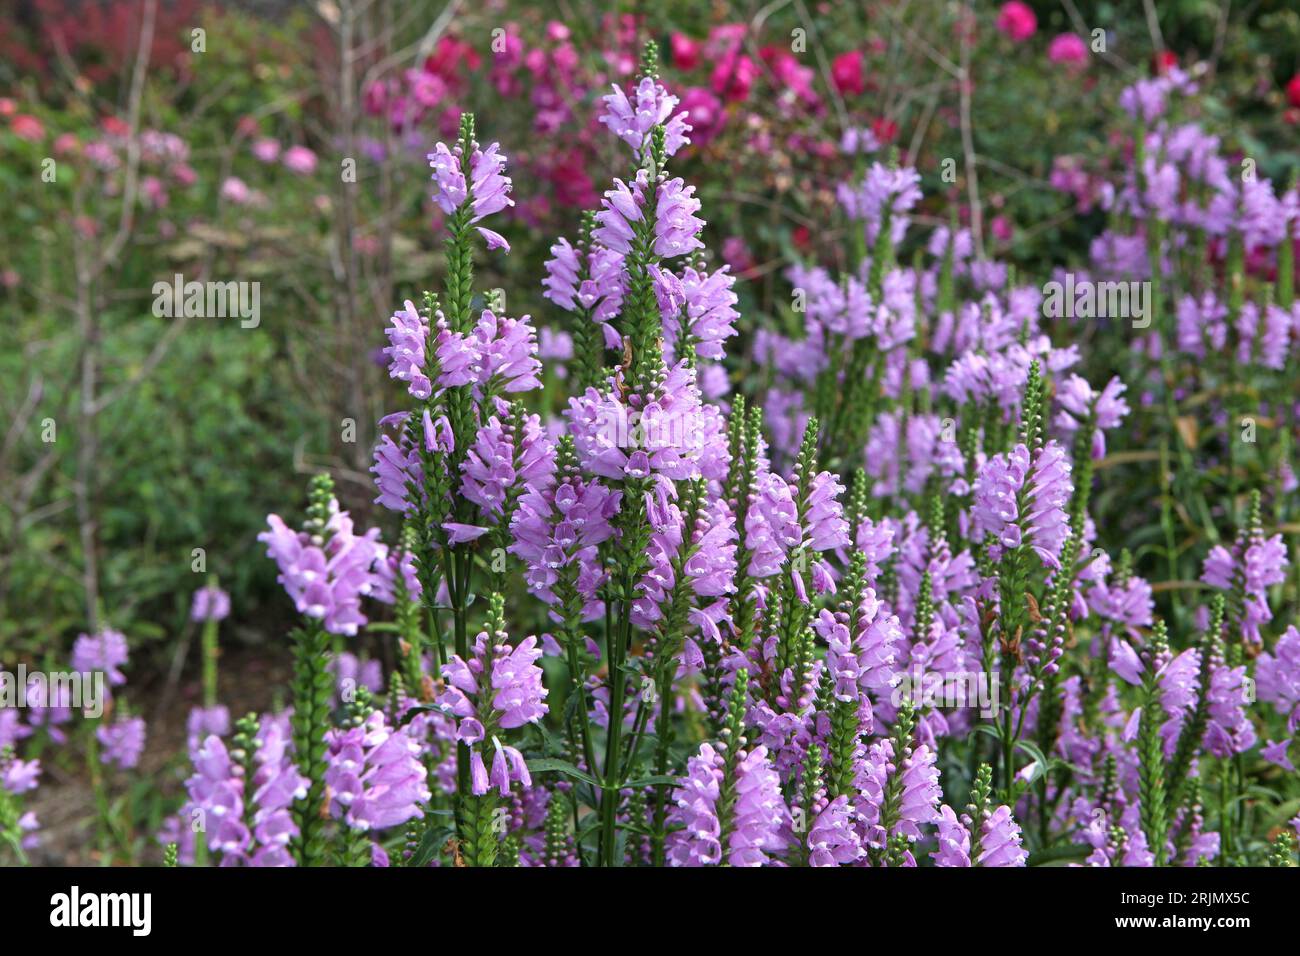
(313, 687)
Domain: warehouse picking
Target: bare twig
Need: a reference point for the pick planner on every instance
(968, 141)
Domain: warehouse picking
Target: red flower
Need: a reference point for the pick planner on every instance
(1017, 21)
(1068, 48)
(1293, 91)
(801, 237)
(448, 55)
(28, 127)
(734, 77)
(846, 73)
(1163, 62)
(885, 130)
(686, 52)
(704, 112)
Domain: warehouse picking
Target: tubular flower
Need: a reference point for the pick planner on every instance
(631, 120)
(407, 339)
(327, 578)
(1179, 684)
(1229, 731)
(832, 839)
(921, 794)
(953, 839)
(1018, 504)
(1257, 563)
(490, 188)
(123, 742)
(601, 291)
(397, 469)
(517, 681)
(664, 432)
(558, 525)
(773, 528)
(210, 603)
(868, 661)
(392, 565)
(758, 811)
(505, 459)
(1277, 674)
(247, 830)
(883, 192)
(374, 776)
(1000, 840)
(507, 350)
(771, 525)
(104, 651)
(696, 838)
(499, 688)
(676, 226)
(1079, 401)
(498, 355)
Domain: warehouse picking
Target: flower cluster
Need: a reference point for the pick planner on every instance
(808, 598)
(326, 569)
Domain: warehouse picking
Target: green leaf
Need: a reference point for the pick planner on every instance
(416, 709)
(989, 730)
(659, 778)
(431, 841)
(543, 764)
(1053, 854)
(1041, 763)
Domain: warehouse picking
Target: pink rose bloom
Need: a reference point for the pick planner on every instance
(28, 128)
(704, 112)
(66, 143)
(300, 159)
(724, 39)
(7, 106)
(846, 73)
(735, 253)
(235, 190)
(376, 98)
(1068, 48)
(1017, 21)
(686, 52)
(623, 64)
(734, 76)
(184, 174)
(789, 73)
(266, 149)
(154, 192)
